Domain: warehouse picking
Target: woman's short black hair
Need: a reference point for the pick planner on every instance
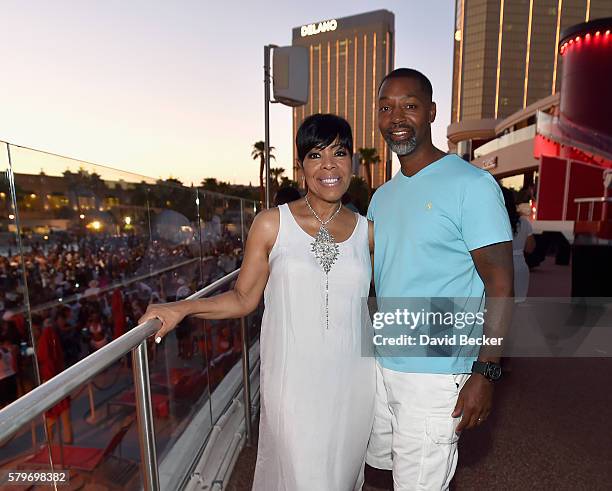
(320, 131)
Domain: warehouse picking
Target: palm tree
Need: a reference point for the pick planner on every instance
(259, 152)
(85, 184)
(97, 187)
(368, 158)
(288, 183)
(359, 193)
(277, 173)
(210, 184)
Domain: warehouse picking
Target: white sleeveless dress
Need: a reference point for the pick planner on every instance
(317, 390)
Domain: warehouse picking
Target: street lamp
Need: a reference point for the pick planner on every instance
(291, 83)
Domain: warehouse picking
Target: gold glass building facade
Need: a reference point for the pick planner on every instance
(349, 56)
(505, 52)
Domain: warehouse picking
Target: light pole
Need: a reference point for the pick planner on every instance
(292, 67)
(267, 81)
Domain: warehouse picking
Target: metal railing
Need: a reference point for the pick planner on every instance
(591, 202)
(45, 396)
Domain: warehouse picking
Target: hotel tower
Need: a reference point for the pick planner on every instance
(349, 56)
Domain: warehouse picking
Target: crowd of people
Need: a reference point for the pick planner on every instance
(69, 264)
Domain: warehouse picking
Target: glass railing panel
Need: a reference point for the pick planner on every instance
(179, 377)
(17, 361)
(220, 342)
(221, 235)
(178, 367)
(25, 457)
(85, 232)
(105, 444)
(97, 246)
(251, 208)
(93, 433)
(174, 233)
(82, 223)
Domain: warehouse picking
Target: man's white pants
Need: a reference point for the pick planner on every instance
(414, 433)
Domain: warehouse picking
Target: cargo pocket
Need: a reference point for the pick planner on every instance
(438, 457)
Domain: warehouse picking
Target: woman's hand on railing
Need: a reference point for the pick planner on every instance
(169, 314)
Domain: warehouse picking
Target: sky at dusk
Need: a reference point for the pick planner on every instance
(174, 88)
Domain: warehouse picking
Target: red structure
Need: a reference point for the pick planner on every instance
(575, 146)
(557, 153)
(586, 101)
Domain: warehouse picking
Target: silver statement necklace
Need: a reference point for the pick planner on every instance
(325, 250)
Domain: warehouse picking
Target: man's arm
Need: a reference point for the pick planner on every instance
(494, 265)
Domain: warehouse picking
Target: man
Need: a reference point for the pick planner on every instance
(441, 230)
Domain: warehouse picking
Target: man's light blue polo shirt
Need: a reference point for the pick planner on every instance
(424, 229)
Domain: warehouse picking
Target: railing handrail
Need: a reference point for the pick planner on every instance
(595, 199)
(151, 181)
(47, 395)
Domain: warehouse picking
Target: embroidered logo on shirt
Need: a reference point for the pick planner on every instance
(428, 206)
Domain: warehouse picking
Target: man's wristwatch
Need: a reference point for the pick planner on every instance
(491, 371)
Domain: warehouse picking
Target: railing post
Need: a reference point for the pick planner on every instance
(267, 80)
(246, 381)
(144, 411)
(246, 367)
(242, 225)
(91, 419)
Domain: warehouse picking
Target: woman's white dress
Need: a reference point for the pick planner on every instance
(521, 270)
(317, 390)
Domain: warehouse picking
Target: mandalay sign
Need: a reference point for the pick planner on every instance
(325, 26)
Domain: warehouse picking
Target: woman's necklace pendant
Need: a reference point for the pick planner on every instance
(325, 249)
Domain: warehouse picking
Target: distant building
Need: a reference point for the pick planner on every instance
(47, 202)
(556, 154)
(506, 58)
(349, 56)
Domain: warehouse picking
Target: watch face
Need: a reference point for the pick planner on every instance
(494, 372)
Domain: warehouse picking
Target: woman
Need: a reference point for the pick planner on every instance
(522, 242)
(311, 260)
